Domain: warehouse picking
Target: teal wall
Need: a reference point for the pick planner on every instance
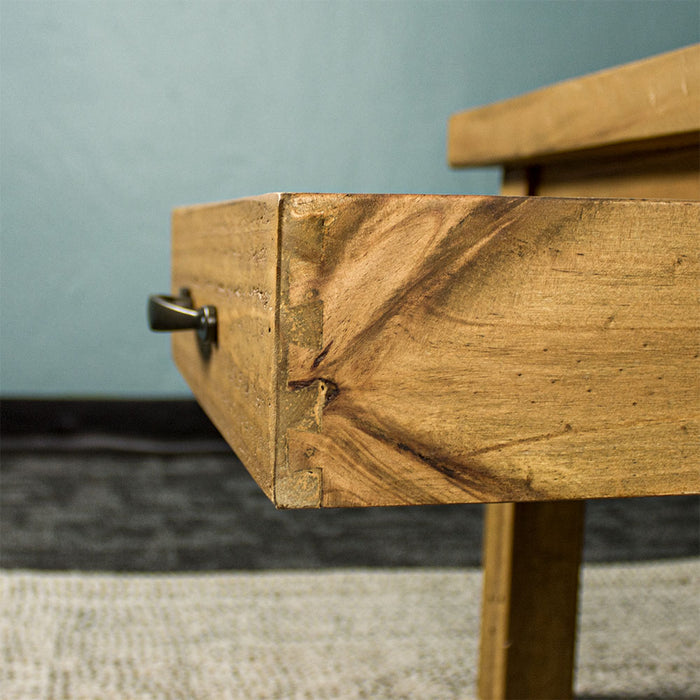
(114, 112)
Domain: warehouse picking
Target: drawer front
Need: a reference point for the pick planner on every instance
(404, 349)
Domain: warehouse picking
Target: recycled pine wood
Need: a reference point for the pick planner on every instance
(227, 256)
(531, 558)
(615, 109)
(532, 553)
(667, 174)
(386, 349)
(405, 349)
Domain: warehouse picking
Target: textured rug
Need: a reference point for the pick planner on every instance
(329, 634)
(146, 512)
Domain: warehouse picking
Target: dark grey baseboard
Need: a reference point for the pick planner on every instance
(151, 486)
(168, 425)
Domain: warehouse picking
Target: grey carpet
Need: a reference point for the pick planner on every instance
(334, 634)
(347, 627)
(95, 510)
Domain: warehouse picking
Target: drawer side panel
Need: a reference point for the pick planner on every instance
(490, 349)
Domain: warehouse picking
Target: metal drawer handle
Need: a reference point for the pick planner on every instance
(169, 313)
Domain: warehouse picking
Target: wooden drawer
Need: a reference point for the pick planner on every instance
(404, 349)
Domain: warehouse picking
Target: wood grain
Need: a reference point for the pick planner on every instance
(227, 255)
(654, 99)
(532, 551)
(447, 349)
(531, 558)
(460, 349)
(528, 625)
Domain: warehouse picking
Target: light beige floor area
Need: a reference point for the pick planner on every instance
(328, 634)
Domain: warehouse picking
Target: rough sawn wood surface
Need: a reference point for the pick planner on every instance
(436, 349)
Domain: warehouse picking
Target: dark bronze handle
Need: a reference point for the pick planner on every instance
(169, 313)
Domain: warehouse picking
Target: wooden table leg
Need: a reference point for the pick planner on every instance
(532, 553)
